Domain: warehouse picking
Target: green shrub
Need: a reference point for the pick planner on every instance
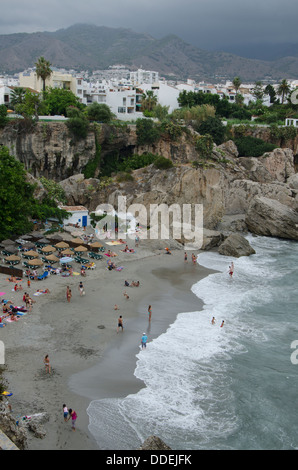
(252, 147)
(137, 161)
(78, 126)
(163, 163)
(214, 127)
(123, 177)
(147, 131)
(204, 145)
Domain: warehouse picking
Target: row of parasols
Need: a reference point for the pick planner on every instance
(47, 250)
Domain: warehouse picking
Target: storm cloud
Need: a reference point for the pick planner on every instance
(208, 24)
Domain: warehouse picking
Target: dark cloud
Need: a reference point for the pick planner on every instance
(209, 24)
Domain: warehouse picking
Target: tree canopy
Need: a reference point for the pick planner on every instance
(17, 202)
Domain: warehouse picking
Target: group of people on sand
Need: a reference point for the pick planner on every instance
(70, 414)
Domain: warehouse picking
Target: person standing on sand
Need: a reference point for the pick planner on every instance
(65, 412)
(81, 288)
(222, 323)
(47, 364)
(149, 313)
(231, 269)
(68, 294)
(120, 323)
(144, 341)
(73, 415)
(185, 257)
(213, 321)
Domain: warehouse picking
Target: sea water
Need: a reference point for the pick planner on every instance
(213, 387)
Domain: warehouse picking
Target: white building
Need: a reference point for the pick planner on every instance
(79, 216)
(143, 76)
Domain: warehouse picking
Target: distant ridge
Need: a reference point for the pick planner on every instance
(90, 47)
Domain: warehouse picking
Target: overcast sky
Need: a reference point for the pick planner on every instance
(209, 24)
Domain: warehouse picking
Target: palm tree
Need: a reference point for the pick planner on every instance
(43, 70)
(237, 84)
(283, 89)
(17, 96)
(149, 100)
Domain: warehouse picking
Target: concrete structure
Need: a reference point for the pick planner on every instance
(79, 216)
(292, 122)
(6, 443)
(56, 80)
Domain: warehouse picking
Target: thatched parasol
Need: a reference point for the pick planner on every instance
(77, 241)
(62, 245)
(67, 252)
(35, 262)
(52, 258)
(96, 245)
(80, 249)
(32, 253)
(13, 258)
(48, 249)
(10, 242)
(11, 249)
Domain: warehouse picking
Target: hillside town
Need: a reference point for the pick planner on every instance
(122, 89)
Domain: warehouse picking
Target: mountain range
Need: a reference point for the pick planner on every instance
(89, 47)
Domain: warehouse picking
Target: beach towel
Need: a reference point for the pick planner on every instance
(120, 268)
(116, 242)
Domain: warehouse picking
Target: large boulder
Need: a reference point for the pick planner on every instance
(235, 245)
(269, 217)
(154, 443)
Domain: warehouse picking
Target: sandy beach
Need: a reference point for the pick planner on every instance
(89, 359)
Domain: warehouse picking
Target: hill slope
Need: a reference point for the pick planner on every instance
(91, 47)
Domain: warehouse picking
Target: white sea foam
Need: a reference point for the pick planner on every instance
(188, 397)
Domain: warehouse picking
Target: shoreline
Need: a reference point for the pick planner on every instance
(83, 344)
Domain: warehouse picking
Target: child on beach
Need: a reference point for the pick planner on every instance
(144, 341)
(120, 323)
(65, 412)
(73, 415)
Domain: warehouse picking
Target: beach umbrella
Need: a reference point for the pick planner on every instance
(67, 252)
(48, 249)
(66, 259)
(9, 242)
(42, 242)
(26, 237)
(77, 241)
(57, 238)
(28, 245)
(77, 233)
(96, 245)
(80, 249)
(35, 262)
(11, 248)
(52, 258)
(36, 235)
(32, 254)
(61, 245)
(12, 259)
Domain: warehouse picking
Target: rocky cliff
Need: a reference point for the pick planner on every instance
(227, 186)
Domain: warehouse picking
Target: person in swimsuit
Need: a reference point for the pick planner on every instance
(149, 312)
(120, 323)
(47, 364)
